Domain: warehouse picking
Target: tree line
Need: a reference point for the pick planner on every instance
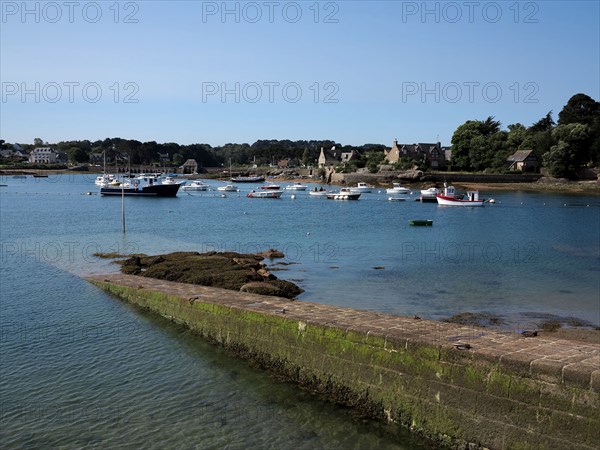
(477, 145)
(563, 147)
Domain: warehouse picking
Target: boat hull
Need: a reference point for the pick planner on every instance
(428, 198)
(157, 190)
(445, 200)
(420, 223)
(265, 194)
(344, 196)
(247, 179)
(195, 188)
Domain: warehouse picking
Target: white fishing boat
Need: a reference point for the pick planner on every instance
(296, 186)
(361, 188)
(196, 185)
(449, 198)
(318, 192)
(343, 194)
(430, 191)
(397, 188)
(265, 194)
(171, 180)
(429, 195)
(104, 180)
(228, 188)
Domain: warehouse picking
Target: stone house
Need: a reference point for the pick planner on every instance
(330, 157)
(523, 160)
(349, 156)
(432, 153)
(190, 167)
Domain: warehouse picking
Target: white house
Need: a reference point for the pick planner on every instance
(43, 155)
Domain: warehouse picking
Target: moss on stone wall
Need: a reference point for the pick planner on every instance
(449, 396)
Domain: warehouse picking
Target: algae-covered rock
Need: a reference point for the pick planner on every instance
(272, 254)
(227, 270)
(287, 289)
(262, 288)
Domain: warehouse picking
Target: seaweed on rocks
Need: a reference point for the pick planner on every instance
(226, 270)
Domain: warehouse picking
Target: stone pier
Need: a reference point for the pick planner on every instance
(464, 387)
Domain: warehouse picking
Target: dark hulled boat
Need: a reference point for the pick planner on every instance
(147, 186)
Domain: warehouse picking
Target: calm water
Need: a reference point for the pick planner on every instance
(81, 369)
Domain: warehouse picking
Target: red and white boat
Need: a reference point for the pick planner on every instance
(449, 198)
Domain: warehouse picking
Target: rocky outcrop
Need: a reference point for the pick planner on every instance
(227, 270)
(271, 254)
(410, 175)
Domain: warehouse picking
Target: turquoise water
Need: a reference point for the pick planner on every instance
(81, 369)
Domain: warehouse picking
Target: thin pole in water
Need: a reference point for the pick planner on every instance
(123, 204)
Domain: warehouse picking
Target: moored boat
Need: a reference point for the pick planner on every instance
(318, 192)
(343, 194)
(420, 222)
(228, 188)
(296, 186)
(361, 188)
(171, 180)
(196, 185)
(429, 195)
(104, 180)
(148, 186)
(265, 194)
(250, 179)
(449, 198)
(271, 187)
(397, 188)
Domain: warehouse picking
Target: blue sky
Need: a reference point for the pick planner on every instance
(351, 71)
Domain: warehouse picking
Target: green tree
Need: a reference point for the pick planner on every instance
(571, 151)
(373, 160)
(77, 155)
(544, 124)
(461, 144)
(540, 136)
(583, 109)
(306, 158)
(580, 108)
(479, 145)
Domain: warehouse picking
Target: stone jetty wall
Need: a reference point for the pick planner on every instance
(501, 391)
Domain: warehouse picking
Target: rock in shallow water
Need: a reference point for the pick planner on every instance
(228, 270)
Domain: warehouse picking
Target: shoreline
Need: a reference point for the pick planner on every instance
(571, 187)
(589, 187)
